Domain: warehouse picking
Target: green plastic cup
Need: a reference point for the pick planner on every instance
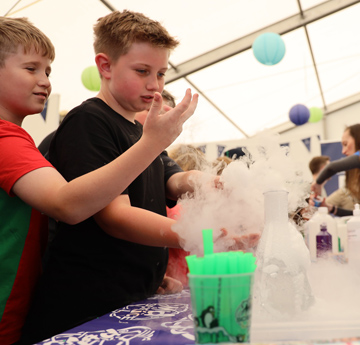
(221, 306)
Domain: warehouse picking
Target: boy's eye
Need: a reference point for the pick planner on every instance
(32, 69)
(161, 75)
(141, 71)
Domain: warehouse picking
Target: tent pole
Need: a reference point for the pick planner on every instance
(110, 7)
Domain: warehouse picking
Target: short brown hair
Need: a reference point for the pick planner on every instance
(317, 163)
(116, 32)
(15, 32)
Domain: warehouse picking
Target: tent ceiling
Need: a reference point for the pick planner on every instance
(240, 97)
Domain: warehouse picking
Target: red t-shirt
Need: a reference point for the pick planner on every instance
(23, 231)
(177, 267)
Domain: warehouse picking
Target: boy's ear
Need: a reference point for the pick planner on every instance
(103, 64)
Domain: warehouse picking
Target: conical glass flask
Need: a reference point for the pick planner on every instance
(281, 284)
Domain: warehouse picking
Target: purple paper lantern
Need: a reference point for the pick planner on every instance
(299, 114)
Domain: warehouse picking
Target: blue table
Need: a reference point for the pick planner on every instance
(160, 320)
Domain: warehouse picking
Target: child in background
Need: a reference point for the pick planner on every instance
(29, 184)
(188, 158)
(119, 255)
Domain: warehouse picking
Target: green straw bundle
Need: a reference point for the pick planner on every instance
(219, 263)
(220, 286)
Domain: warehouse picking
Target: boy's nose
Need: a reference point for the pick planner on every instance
(44, 81)
(153, 84)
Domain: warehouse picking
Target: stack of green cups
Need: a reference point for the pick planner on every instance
(220, 287)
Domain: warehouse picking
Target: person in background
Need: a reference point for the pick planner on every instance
(45, 143)
(351, 164)
(318, 163)
(43, 147)
(188, 157)
(168, 101)
(120, 254)
(30, 187)
(220, 163)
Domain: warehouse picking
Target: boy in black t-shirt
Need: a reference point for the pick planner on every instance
(120, 254)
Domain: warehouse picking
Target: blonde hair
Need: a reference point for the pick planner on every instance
(220, 163)
(15, 32)
(188, 157)
(116, 32)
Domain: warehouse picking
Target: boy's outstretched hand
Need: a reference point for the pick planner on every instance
(167, 126)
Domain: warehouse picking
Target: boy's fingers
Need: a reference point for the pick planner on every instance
(156, 105)
(191, 109)
(186, 107)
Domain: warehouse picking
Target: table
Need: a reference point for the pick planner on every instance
(160, 320)
(167, 320)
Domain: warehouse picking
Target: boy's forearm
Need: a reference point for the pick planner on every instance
(139, 226)
(79, 193)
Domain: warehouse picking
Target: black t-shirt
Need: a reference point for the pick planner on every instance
(89, 272)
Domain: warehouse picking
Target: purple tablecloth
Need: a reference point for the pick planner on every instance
(160, 320)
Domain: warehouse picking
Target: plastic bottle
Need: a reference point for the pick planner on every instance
(353, 227)
(323, 242)
(313, 228)
(342, 232)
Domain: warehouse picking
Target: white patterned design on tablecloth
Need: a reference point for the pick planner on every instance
(149, 311)
(124, 336)
(181, 326)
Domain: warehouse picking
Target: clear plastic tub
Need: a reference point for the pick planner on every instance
(304, 331)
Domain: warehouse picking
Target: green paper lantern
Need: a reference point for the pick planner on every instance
(316, 114)
(90, 78)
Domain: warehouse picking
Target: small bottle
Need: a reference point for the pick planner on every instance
(313, 227)
(353, 228)
(323, 242)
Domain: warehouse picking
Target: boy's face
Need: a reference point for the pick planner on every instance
(24, 85)
(135, 77)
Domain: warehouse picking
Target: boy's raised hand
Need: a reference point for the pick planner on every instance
(167, 126)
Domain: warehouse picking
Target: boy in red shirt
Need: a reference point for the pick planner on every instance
(29, 184)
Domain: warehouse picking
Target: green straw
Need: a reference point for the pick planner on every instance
(208, 241)
(233, 262)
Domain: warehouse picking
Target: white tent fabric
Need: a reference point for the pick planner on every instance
(239, 96)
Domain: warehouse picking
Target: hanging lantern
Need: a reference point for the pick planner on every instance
(299, 114)
(316, 114)
(91, 79)
(269, 48)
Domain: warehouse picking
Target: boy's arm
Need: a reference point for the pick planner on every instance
(121, 220)
(46, 190)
